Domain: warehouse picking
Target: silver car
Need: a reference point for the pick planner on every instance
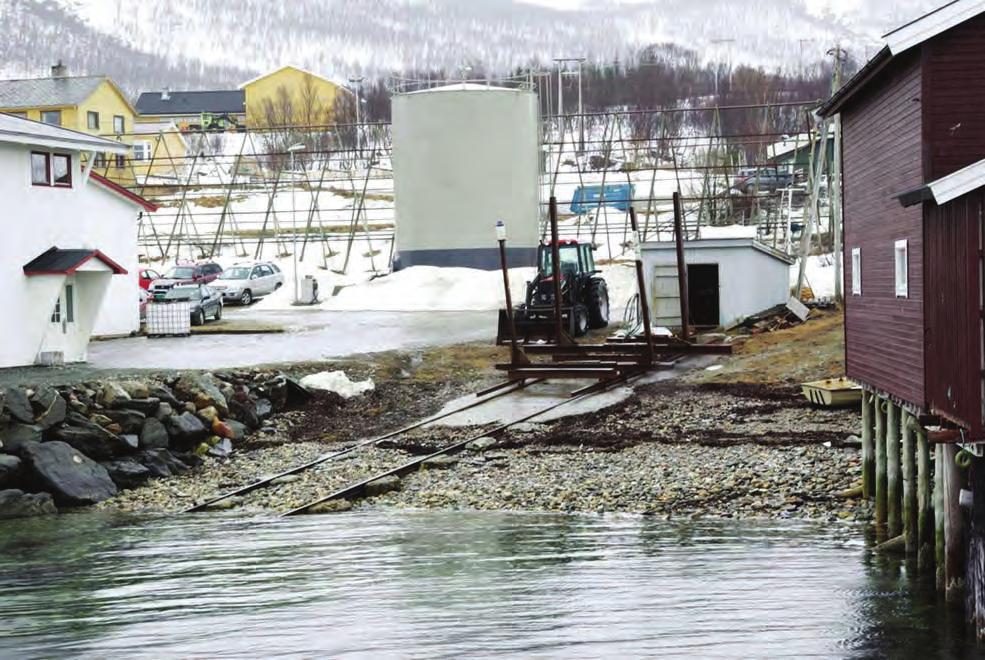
(244, 283)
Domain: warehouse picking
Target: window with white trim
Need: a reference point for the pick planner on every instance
(141, 150)
(856, 271)
(902, 269)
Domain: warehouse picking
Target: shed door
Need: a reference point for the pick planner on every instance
(702, 294)
(666, 296)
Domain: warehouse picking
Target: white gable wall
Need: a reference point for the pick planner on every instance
(36, 218)
(749, 279)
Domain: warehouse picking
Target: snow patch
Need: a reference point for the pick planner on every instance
(338, 382)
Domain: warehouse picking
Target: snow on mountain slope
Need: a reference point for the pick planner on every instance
(214, 40)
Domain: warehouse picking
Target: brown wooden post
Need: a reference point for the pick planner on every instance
(560, 336)
(909, 483)
(925, 511)
(893, 482)
(868, 455)
(681, 268)
(939, 516)
(517, 355)
(641, 285)
(880, 446)
(954, 554)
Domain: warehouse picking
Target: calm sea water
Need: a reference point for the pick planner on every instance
(453, 584)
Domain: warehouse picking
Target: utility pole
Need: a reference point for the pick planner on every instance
(834, 184)
(294, 148)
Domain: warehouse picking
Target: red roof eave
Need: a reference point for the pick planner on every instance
(96, 254)
(123, 192)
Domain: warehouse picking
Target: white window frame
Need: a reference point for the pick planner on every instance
(856, 271)
(141, 150)
(901, 268)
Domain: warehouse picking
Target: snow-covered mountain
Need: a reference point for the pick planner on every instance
(150, 43)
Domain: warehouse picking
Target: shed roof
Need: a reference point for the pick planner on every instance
(191, 103)
(721, 243)
(947, 188)
(56, 261)
(47, 92)
(19, 130)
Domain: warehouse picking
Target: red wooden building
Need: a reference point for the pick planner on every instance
(913, 127)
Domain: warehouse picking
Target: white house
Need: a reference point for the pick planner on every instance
(69, 259)
(728, 279)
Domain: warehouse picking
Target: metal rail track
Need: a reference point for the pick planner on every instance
(358, 488)
(482, 396)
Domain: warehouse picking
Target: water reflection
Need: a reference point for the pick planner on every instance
(434, 584)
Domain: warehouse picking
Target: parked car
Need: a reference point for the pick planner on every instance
(762, 179)
(147, 277)
(244, 283)
(201, 273)
(205, 301)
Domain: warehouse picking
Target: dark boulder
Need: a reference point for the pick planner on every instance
(132, 441)
(275, 391)
(130, 421)
(10, 470)
(127, 473)
(165, 395)
(297, 394)
(49, 407)
(245, 412)
(154, 435)
(89, 438)
(161, 463)
(18, 504)
(264, 409)
(18, 405)
(14, 436)
(202, 391)
(186, 428)
(147, 407)
(72, 478)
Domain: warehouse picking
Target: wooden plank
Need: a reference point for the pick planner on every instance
(880, 445)
(894, 519)
(868, 456)
(909, 483)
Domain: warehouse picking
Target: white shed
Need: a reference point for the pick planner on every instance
(728, 279)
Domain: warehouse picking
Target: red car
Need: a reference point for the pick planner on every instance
(147, 277)
(200, 273)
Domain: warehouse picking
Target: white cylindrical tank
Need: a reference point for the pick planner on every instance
(464, 157)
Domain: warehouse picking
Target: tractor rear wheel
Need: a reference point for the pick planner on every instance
(579, 321)
(598, 304)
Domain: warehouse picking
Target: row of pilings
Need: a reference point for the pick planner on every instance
(916, 486)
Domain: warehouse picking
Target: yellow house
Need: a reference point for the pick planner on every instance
(160, 153)
(91, 104)
(291, 96)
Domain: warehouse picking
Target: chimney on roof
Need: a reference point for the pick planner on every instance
(166, 94)
(59, 70)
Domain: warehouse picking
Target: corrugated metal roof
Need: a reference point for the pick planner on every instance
(191, 103)
(46, 92)
(932, 24)
(26, 131)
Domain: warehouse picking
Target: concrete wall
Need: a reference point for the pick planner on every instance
(750, 279)
(36, 218)
(465, 156)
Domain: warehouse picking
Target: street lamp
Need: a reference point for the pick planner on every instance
(293, 149)
(358, 82)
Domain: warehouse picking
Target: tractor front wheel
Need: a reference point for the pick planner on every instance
(579, 321)
(598, 304)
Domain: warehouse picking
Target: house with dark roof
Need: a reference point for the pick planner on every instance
(184, 108)
(89, 104)
(69, 261)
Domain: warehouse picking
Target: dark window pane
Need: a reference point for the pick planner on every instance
(93, 120)
(39, 169)
(121, 161)
(52, 117)
(119, 126)
(70, 303)
(61, 166)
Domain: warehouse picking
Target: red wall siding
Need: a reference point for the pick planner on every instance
(954, 92)
(953, 301)
(882, 157)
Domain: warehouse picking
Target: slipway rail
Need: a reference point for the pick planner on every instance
(482, 397)
(358, 489)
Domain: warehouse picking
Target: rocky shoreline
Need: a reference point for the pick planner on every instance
(671, 450)
(78, 445)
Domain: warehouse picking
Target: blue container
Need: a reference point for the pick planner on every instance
(617, 195)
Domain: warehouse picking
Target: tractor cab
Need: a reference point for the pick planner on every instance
(584, 294)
